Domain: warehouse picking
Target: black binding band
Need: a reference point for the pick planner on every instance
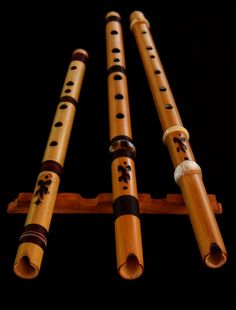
(122, 153)
(113, 19)
(121, 137)
(34, 233)
(116, 68)
(80, 57)
(124, 205)
(51, 165)
(68, 99)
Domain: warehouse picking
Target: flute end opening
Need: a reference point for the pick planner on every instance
(131, 269)
(25, 269)
(216, 258)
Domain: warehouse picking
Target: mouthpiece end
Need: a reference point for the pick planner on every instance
(216, 258)
(131, 269)
(25, 269)
(28, 260)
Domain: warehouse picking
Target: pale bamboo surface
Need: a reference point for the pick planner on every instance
(28, 260)
(176, 138)
(117, 81)
(125, 196)
(73, 203)
(33, 240)
(128, 244)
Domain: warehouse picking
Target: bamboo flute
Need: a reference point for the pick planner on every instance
(187, 173)
(125, 196)
(33, 240)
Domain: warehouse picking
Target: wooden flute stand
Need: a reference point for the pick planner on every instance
(73, 203)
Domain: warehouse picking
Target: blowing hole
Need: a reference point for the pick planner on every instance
(113, 32)
(26, 265)
(131, 269)
(25, 269)
(132, 264)
(216, 258)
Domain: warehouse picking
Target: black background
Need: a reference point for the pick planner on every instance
(195, 44)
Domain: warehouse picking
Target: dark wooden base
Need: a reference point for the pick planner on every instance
(73, 203)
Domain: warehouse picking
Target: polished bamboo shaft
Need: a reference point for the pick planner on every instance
(33, 240)
(125, 195)
(187, 172)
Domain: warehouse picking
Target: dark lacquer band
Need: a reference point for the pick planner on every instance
(80, 57)
(34, 233)
(124, 205)
(68, 99)
(122, 153)
(53, 166)
(113, 19)
(116, 68)
(120, 137)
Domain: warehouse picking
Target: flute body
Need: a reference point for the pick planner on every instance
(125, 196)
(187, 173)
(33, 240)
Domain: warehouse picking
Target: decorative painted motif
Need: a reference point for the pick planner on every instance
(182, 145)
(42, 187)
(125, 172)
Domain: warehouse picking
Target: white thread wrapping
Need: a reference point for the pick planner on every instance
(173, 129)
(186, 167)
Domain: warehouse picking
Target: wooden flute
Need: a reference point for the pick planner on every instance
(125, 196)
(33, 240)
(187, 173)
